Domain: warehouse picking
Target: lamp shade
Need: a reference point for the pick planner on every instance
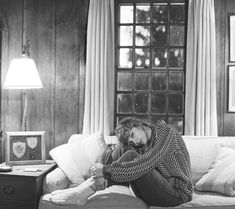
(22, 74)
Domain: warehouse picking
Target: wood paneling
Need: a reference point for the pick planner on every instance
(56, 30)
(229, 118)
(226, 121)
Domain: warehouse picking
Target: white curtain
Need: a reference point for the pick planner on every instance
(200, 98)
(99, 84)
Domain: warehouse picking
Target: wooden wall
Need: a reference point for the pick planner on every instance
(226, 121)
(56, 30)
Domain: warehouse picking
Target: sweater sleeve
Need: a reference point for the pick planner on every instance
(132, 170)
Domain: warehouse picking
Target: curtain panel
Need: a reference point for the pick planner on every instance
(99, 83)
(200, 95)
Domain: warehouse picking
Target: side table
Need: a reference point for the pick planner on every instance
(21, 189)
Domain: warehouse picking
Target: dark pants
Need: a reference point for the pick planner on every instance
(152, 188)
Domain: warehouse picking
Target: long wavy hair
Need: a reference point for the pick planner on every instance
(125, 125)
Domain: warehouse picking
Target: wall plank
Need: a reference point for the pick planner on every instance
(226, 120)
(11, 103)
(4, 61)
(67, 70)
(41, 33)
(11, 106)
(220, 13)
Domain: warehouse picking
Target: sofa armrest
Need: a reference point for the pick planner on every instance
(55, 180)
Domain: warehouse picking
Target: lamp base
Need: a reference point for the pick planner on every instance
(24, 116)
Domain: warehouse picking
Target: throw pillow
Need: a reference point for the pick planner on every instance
(220, 177)
(75, 159)
(76, 138)
(54, 180)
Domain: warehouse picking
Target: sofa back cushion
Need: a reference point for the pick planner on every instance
(203, 151)
(202, 154)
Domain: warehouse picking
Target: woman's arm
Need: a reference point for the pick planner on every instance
(132, 170)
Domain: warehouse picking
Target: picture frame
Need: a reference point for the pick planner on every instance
(231, 37)
(25, 147)
(231, 88)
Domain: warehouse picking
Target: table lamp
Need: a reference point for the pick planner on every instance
(23, 74)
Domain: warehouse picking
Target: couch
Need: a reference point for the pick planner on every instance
(206, 155)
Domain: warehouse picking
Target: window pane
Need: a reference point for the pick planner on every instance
(159, 35)
(124, 81)
(142, 58)
(142, 81)
(119, 118)
(176, 58)
(141, 103)
(177, 122)
(142, 117)
(142, 35)
(125, 58)
(177, 13)
(158, 103)
(143, 13)
(159, 57)
(126, 35)
(176, 81)
(126, 14)
(160, 13)
(176, 35)
(155, 119)
(175, 103)
(159, 81)
(124, 102)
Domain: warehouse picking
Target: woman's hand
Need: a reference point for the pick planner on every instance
(97, 170)
(100, 183)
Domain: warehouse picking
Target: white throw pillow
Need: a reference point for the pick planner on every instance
(76, 138)
(220, 177)
(76, 158)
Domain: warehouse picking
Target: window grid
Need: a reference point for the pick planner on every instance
(170, 93)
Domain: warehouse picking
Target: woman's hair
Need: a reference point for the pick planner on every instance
(125, 125)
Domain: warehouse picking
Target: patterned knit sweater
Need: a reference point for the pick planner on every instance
(167, 153)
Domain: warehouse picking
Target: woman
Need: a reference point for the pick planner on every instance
(159, 174)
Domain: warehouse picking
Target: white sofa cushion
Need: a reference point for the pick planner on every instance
(221, 175)
(211, 199)
(77, 157)
(114, 197)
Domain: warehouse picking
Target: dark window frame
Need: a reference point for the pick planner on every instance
(151, 69)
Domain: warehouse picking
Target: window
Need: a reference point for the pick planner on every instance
(150, 60)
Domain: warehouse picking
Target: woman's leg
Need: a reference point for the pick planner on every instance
(119, 153)
(155, 190)
(152, 188)
(108, 156)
